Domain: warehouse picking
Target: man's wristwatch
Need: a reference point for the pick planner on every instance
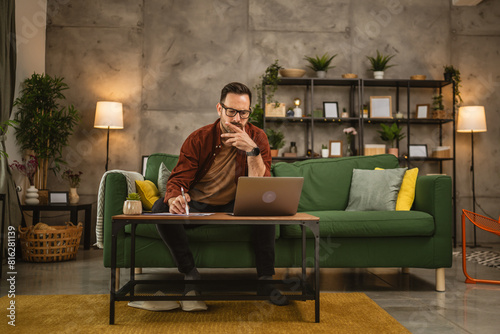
(254, 152)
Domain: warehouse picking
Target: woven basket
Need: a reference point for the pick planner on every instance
(43, 243)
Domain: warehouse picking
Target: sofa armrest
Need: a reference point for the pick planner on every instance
(433, 194)
(115, 194)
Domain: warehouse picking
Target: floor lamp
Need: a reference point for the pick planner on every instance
(108, 115)
(472, 119)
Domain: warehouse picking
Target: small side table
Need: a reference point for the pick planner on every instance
(72, 208)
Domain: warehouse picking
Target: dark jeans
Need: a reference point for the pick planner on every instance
(175, 237)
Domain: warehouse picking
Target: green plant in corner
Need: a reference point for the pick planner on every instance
(380, 62)
(324, 147)
(322, 63)
(44, 126)
(454, 75)
(276, 139)
(3, 131)
(391, 133)
(133, 197)
(268, 85)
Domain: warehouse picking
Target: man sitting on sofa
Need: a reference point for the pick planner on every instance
(204, 180)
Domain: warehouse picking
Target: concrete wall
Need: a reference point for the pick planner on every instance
(167, 61)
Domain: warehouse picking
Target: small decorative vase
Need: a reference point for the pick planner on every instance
(32, 196)
(324, 152)
(348, 152)
(73, 196)
(378, 74)
(321, 74)
(132, 207)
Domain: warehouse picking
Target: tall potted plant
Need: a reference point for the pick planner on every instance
(320, 65)
(379, 64)
(43, 125)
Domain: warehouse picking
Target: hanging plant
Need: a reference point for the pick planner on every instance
(454, 75)
(43, 125)
(268, 84)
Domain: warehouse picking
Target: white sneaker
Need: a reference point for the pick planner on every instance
(159, 305)
(193, 305)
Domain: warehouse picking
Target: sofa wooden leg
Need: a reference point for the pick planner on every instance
(117, 279)
(405, 270)
(440, 281)
(138, 271)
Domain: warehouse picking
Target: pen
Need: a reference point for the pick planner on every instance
(184, 196)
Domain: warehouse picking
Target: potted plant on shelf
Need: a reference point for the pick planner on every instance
(437, 106)
(73, 179)
(324, 151)
(379, 64)
(320, 65)
(390, 134)
(453, 74)
(276, 141)
(43, 125)
(269, 85)
(28, 168)
(132, 205)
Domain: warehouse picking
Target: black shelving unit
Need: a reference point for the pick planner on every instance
(356, 98)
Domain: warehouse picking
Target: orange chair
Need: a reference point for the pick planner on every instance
(484, 223)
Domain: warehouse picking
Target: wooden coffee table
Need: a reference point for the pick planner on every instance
(127, 292)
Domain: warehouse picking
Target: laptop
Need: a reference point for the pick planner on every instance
(267, 196)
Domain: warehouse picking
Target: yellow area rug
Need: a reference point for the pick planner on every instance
(340, 313)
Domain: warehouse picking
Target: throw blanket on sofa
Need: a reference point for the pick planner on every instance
(131, 177)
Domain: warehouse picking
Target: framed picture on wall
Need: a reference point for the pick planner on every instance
(331, 109)
(335, 149)
(418, 151)
(422, 111)
(380, 106)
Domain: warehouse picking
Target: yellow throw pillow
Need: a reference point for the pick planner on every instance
(148, 192)
(406, 194)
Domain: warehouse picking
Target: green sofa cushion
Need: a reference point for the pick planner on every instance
(327, 181)
(154, 162)
(371, 224)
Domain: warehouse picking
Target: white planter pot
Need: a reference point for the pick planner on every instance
(321, 74)
(132, 207)
(378, 74)
(31, 196)
(324, 152)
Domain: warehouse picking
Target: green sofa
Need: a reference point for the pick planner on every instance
(420, 238)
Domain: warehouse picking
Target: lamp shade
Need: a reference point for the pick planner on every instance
(108, 114)
(471, 119)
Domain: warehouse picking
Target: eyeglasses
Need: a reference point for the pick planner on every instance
(230, 112)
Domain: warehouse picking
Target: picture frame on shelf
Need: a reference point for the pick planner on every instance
(418, 151)
(380, 107)
(422, 111)
(58, 197)
(331, 109)
(335, 149)
(144, 163)
(273, 110)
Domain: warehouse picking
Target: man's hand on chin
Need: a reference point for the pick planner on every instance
(238, 138)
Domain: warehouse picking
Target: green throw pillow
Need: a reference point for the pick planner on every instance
(375, 190)
(163, 175)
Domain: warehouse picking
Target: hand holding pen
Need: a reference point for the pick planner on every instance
(185, 201)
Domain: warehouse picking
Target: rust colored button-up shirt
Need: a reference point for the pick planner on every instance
(198, 153)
